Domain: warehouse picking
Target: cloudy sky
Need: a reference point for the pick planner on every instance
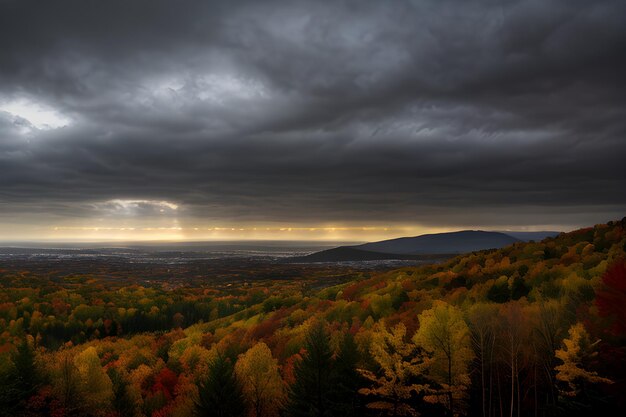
(316, 119)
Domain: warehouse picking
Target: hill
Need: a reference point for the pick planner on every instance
(452, 242)
(351, 253)
(536, 236)
(443, 245)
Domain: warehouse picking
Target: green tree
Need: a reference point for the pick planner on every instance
(220, 394)
(313, 391)
(348, 379)
(27, 377)
(19, 380)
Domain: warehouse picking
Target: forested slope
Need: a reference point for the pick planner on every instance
(531, 329)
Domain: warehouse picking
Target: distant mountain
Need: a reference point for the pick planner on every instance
(418, 247)
(453, 242)
(536, 236)
(350, 253)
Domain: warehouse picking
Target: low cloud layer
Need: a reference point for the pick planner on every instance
(436, 113)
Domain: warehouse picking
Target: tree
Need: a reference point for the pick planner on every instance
(312, 392)
(348, 378)
(483, 336)
(220, 394)
(513, 333)
(549, 329)
(67, 382)
(576, 355)
(123, 403)
(95, 384)
(611, 299)
(20, 380)
(399, 364)
(445, 337)
(257, 371)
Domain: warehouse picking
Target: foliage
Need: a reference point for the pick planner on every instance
(489, 328)
(262, 384)
(398, 364)
(577, 354)
(611, 299)
(220, 394)
(445, 338)
(20, 379)
(348, 379)
(94, 383)
(312, 392)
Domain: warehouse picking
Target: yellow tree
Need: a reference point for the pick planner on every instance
(576, 354)
(95, 383)
(67, 381)
(257, 370)
(445, 337)
(398, 363)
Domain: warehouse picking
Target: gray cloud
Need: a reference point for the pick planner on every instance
(430, 112)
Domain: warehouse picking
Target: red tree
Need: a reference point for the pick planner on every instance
(165, 381)
(611, 298)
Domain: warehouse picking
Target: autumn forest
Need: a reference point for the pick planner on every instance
(533, 329)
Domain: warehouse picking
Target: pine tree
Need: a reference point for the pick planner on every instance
(20, 379)
(348, 378)
(312, 393)
(220, 394)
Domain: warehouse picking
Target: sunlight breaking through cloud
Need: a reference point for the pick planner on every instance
(39, 115)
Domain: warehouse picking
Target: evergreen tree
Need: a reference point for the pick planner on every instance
(123, 404)
(348, 378)
(220, 393)
(20, 379)
(313, 392)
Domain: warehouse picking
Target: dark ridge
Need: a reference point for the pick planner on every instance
(536, 236)
(425, 247)
(348, 253)
(453, 242)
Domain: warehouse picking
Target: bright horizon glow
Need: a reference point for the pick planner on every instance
(323, 233)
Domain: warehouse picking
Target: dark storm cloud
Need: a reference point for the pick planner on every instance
(434, 112)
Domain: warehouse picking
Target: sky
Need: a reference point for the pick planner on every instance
(194, 120)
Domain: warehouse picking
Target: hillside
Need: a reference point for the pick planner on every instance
(516, 316)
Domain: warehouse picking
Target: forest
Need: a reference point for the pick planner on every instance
(533, 329)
